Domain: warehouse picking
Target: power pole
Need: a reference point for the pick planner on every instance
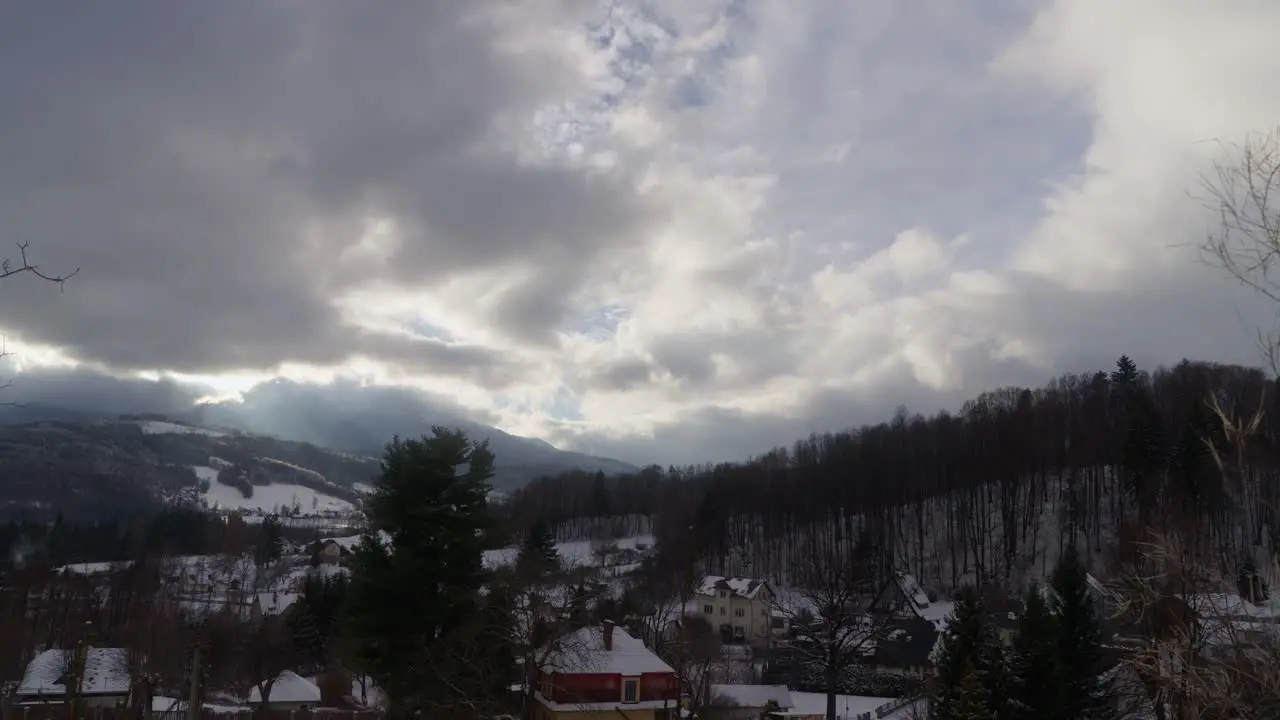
(193, 701)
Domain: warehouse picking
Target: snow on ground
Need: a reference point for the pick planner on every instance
(847, 706)
(573, 553)
(362, 488)
(157, 427)
(268, 497)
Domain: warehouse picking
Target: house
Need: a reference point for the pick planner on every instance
(335, 551)
(906, 648)
(901, 596)
(104, 681)
(290, 691)
(740, 608)
(746, 702)
(602, 672)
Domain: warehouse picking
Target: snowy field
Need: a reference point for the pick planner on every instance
(573, 554)
(847, 706)
(268, 497)
(156, 427)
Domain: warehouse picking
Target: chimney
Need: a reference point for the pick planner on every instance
(608, 634)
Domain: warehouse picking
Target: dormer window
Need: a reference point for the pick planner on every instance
(630, 690)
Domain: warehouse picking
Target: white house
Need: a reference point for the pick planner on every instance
(104, 682)
(740, 608)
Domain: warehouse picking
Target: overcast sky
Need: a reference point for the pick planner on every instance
(668, 230)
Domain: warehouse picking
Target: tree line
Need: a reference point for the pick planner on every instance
(965, 495)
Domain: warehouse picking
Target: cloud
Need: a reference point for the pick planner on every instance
(665, 231)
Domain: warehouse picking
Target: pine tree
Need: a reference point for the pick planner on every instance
(968, 647)
(538, 553)
(1080, 652)
(413, 599)
(972, 701)
(1125, 376)
(1034, 685)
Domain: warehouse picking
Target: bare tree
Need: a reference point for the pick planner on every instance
(23, 266)
(697, 657)
(268, 652)
(830, 610)
(1245, 192)
(544, 613)
(1204, 655)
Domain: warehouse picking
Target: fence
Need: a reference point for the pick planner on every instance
(58, 711)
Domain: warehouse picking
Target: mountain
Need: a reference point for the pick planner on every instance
(86, 464)
(362, 421)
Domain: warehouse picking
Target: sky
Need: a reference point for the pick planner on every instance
(657, 230)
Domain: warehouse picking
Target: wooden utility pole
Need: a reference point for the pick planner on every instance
(193, 700)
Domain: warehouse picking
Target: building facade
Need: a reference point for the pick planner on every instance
(741, 609)
(602, 672)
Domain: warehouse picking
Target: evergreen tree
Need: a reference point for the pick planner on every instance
(1125, 376)
(969, 647)
(972, 701)
(1033, 661)
(272, 545)
(413, 599)
(538, 554)
(1080, 652)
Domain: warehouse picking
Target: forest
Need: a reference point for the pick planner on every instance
(991, 492)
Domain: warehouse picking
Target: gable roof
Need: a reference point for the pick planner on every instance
(582, 652)
(747, 588)
(106, 672)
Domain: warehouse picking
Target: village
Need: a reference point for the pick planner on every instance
(597, 636)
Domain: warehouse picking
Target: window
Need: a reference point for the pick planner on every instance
(739, 612)
(630, 691)
(723, 594)
(724, 610)
(708, 609)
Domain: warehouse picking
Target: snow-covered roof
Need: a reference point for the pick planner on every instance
(582, 652)
(1225, 605)
(275, 603)
(912, 589)
(289, 687)
(754, 696)
(747, 588)
(106, 672)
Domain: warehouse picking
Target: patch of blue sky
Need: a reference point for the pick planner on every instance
(429, 330)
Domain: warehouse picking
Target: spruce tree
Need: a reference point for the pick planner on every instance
(1125, 376)
(413, 598)
(1080, 652)
(968, 647)
(972, 701)
(1034, 685)
(538, 554)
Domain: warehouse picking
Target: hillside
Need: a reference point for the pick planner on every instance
(83, 468)
(84, 465)
(361, 426)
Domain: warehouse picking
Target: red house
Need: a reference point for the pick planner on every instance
(605, 670)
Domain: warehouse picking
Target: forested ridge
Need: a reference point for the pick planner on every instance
(986, 491)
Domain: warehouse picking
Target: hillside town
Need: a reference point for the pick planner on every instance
(577, 619)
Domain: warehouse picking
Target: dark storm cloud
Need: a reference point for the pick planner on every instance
(205, 164)
(90, 392)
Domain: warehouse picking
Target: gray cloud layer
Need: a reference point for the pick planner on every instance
(207, 164)
(788, 217)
